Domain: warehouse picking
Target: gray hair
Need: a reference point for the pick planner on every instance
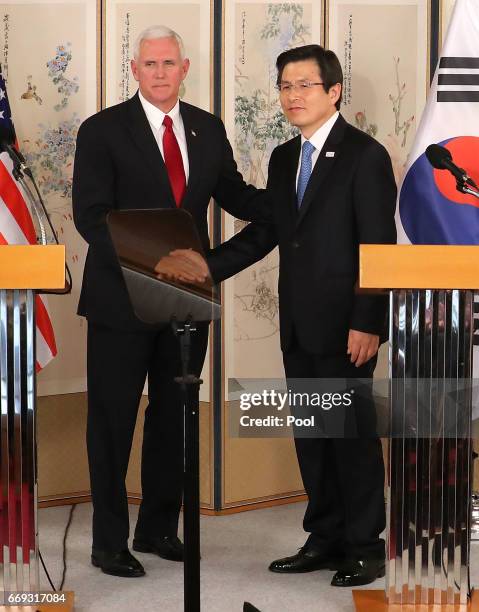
(154, 32)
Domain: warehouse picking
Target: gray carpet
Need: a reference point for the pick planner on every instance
(236, 551)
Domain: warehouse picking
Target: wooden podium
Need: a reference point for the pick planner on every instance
(23, 271)
(430, 448)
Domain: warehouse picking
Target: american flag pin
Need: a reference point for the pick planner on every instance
(193, 132)
(329, 153)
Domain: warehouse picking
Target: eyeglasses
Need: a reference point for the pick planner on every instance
(286, 86)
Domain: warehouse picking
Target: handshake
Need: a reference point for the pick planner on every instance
(183, 265)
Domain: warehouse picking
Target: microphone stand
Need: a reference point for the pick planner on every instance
(18, 173)
(463, 187)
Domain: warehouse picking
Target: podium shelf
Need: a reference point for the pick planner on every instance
(32, 266)
(418, 266)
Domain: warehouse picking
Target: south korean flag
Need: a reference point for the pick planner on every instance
(430, 209)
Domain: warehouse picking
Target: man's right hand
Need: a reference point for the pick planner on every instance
(184, 265)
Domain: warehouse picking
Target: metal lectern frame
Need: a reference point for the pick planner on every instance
(24, 270)
(430, 447)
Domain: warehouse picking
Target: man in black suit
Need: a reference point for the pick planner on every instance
(152, 151)
(330, 189)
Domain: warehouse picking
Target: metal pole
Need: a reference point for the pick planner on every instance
(191, 499)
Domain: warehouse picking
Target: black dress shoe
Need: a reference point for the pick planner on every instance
(166, 547)
(122, 563)
(359, 571)
(306, 560)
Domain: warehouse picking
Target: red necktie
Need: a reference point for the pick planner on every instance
(173, 161)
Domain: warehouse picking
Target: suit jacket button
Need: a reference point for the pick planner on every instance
(295, 244)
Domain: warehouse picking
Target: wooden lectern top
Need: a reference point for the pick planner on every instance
(413, 266)
(32, 266)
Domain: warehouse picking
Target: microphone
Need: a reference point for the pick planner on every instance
(19, 162)
(7, 136)
(15, 154)
(441, 159)
(7, 141)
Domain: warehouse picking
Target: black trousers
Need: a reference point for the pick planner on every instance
(117, 365)
(343, 477)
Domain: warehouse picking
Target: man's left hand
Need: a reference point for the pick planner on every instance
(184, 265)
(362, 346)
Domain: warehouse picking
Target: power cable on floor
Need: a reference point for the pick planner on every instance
(65, 535)
(46, 571)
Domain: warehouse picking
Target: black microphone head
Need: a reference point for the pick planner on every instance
(6, 134)
(437, 155)
(7, 137)
(7, 143)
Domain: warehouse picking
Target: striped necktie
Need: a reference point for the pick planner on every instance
(305, 170)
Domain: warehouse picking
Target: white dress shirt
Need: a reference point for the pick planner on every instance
(317, 140)
(155, 118)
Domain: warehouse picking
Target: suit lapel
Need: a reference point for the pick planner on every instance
(144, 139)
(195, 144)
(323, 166)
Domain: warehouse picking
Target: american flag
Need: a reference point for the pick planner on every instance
(16, 227)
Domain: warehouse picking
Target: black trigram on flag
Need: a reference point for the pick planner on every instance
(465, 79)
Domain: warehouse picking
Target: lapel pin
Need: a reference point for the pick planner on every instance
(193, 132)
(329, 153)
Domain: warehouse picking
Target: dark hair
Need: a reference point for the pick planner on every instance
(328, 64)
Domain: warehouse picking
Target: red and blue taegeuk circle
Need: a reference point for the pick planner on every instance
(432, 211)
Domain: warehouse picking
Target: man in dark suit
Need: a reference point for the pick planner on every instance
(152, 151)
(330, 189)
